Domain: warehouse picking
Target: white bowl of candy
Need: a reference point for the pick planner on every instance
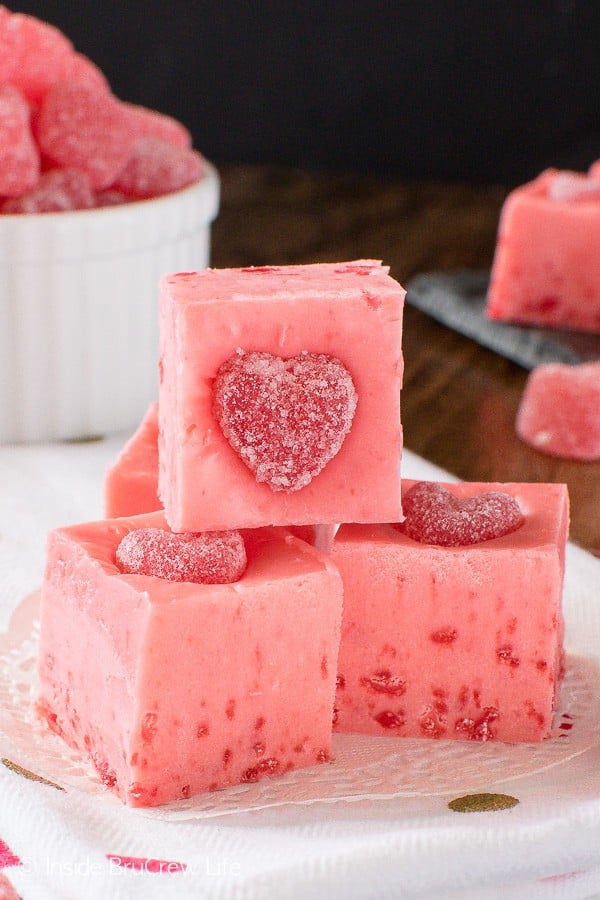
(98, 199)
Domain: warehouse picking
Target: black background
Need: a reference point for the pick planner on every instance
(484, 91)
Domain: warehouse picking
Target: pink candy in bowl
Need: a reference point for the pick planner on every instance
(98, 198)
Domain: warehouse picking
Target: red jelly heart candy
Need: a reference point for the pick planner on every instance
(435, 516)
(58, 190)
(19, 156)
(214, 557)
(285, 418)
(85, 128)
(156, 167)
(151, 123)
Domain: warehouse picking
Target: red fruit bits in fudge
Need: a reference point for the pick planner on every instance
(209, 558)
(19, 157)
(435, 516)
(285, 418)
(206, 685)
(87, 129)
(455, 642)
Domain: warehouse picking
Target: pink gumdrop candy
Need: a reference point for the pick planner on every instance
(58, 190)
(559, 412)
(35, 55)
(110, 197)
(156, 167)
(85, 128)
(19, 156)
(151, 123)
(286, 419)
(214, 557)
(79, 68)
(435, 516)
(30, 51)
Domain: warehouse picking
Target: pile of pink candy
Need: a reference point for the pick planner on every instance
(66, 142)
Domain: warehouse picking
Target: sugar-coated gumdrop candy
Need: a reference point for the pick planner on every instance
(151, 123)
(436, 516)
(559, 412)
(84, 128)
(30, 51)
(110, 197)
(285, 418)
(19, 156)
(156, 167)
(35, 55)
(58, 190)
(214, 557)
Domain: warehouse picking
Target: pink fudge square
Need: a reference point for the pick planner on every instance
(454, 642)
(559, 412)
(546, 268)
(172, 689)
(349, 311)
(131, 482)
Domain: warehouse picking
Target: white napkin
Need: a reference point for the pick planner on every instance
(75, 844)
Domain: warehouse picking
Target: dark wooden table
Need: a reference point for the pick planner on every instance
(459, 400)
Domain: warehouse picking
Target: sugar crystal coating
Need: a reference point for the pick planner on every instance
(70, 119)
(559, 412)
(85, 128)
(30, 50)
(19, 156)
(58, 190)
(209, 558)
(157, 167)
(285, 418)
(435, 516)
(34, 55)
(573, 186)
(151, 123)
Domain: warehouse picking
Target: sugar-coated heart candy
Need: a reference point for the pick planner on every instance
(84, 128)
(58, 190)
(559, 412)
(35, 55)
(285, 418)
(67, 118)
(157, 167)
(19, 156)
(434, 515)
(214, 557)
(151, 123)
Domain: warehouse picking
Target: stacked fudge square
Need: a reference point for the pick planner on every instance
(220, 622)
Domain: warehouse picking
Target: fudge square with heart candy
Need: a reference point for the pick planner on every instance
(172, 688)
(459, 641)
(131, 482)
(279, 398)
(546, 268)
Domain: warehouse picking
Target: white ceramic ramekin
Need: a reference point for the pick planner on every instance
(79, 310)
